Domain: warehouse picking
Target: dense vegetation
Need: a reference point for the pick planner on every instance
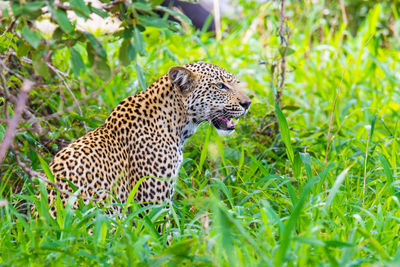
(311, 180)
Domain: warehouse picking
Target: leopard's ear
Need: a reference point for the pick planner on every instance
(182, 78)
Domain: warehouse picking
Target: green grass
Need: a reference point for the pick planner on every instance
(250, 199)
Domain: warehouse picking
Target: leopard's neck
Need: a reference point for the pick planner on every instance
(160, 109)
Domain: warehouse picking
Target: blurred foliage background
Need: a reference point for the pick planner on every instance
(259, 197)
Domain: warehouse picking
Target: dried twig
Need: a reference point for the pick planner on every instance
(344, 16)
(13, 123)
(29, 61)
(16, 74)
(278, 69)
(5, 91)
(73, 97)
(282, 19)
(283, 29)
(392, 27)
(10, 26)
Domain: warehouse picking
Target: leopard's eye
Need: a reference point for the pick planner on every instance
(221, 86)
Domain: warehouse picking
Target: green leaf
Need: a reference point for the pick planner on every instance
(388, 172)
(335, 187)
(175, 14)
(297, 165)
(80, 8)
(127, 32)
(127, 53)
(222, 187)
(23, 49)
(305, 157)
(43, 208)
(151, 21)
(283, 51)
(101, 67)
(99, 12)
(46, 169)
(39, 65)
(338, 244)
(291, 223)
(375, 245)
(373, 18)
(285, 133)
(32, 6)
(139, 42)
(99, 63)
(31, 37)
(150, 226)
(140, 76)
(100, 229)
(203, 154)
(63, 21)
(181, 248)
(131, 52)
(142, 6)
(292, 194)
(57, 34)
(132, 194)
(77, 63)
(2, 129)
(226, 232)
(16, 8)
(90, 53)
(97, 46)
(371, 132)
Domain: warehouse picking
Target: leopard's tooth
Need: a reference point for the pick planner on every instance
(230, 123)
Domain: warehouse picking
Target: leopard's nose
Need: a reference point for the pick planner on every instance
(245, 104)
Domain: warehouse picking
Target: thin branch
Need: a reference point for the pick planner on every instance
(281, 22)
(5, 91)
(344, 16)
(11, 26)
(13, 123)
(29, 61)
(283, 30)
(16, 74)
(283, 64)
(392, 27)
(73, 97)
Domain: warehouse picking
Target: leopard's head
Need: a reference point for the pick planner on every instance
(210, 93)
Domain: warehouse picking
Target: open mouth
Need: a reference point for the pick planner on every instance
(224, 123)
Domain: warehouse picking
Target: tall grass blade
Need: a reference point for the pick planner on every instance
(285, 133)
(291, 223)
(335, 188)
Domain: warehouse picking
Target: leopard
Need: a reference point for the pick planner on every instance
(142, 139)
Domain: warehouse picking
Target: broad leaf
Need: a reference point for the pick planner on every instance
(139, 42)
(63, 21)
(31, 37)
(80, 8)
(77, 62)
(97, 46)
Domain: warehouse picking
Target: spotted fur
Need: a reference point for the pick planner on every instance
(144, 136)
